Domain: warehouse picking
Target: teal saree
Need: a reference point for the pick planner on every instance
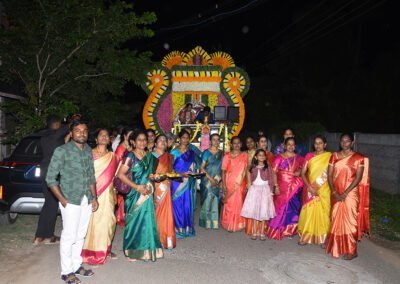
(209, 195)
(141, 240)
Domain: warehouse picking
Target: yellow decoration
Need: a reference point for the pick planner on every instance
(227, 149)
(173, 58)
(198, 125)
(221, 126)
(222, 59)
(178, 101)
(205, 74)
(205, 58)
(212, 101)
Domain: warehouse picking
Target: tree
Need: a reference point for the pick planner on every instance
(70, 54)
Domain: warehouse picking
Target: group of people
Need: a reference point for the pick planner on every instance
(322, 197)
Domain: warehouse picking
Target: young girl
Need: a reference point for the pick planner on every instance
(259, 205)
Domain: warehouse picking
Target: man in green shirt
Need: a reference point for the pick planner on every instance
(71, 179)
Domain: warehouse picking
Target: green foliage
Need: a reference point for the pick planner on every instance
(70, 54)
(30, 122)
(385, 215)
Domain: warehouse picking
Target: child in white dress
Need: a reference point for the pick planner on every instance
(259, 204)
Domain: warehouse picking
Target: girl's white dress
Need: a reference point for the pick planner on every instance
(259, 204)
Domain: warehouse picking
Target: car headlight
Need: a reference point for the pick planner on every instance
(37, 172)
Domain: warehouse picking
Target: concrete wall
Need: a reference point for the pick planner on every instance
(384, 153)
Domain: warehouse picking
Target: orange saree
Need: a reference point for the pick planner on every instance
(163, 203)
(235, 171)
(350, 217)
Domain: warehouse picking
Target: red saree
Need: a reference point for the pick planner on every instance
(120, 152)
(349, 218)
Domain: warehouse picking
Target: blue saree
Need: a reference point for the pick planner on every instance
(183, 194)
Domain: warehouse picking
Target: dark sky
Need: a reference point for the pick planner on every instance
(297, 53)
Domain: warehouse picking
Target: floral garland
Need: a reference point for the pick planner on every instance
(215, 76)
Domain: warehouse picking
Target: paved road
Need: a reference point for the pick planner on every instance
(219, 257)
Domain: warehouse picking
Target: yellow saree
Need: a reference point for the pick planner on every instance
(314, 220)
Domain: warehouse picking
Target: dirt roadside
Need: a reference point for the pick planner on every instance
(212, 256)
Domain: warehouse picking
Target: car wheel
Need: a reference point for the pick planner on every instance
(8, 218)
(12, 217)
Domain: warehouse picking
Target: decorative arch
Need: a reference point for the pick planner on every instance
(195, 77)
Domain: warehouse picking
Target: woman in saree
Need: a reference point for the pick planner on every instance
(141, 240)
(288, 132)
(348, 178)
(234, 169)
(314, 220)
(101, 228)
(184, 191)
(262, 143)
(250, 148)
(121, 151)
(124, 146)
(209, 187)
(288, 185)
(162, 195)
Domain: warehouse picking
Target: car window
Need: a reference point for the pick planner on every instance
(29, 146)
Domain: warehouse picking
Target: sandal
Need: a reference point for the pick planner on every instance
(112, 255)
(37, 241)
(84, 272)
(300, 243)
(323, 246)
(70, 278)
(93, 265)
(350, 256)
(52, 241)
(263, 238)
(253, 237)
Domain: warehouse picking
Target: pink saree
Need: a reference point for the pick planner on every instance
(287, 203)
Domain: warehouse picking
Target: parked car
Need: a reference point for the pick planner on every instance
(20, 180)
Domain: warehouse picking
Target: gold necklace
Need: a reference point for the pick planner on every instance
(101, 154)
(235, 155)
(291, 165)
(345, 156)
(143, 156)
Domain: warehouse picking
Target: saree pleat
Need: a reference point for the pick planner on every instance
(163, 204)
(141, 239)
(287, 203)
(350, 217)
(183, 194)
(102, 223)
(209, 195)
(235, 168)
(314, 220)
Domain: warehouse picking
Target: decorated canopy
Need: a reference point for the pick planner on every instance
(195, 77)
